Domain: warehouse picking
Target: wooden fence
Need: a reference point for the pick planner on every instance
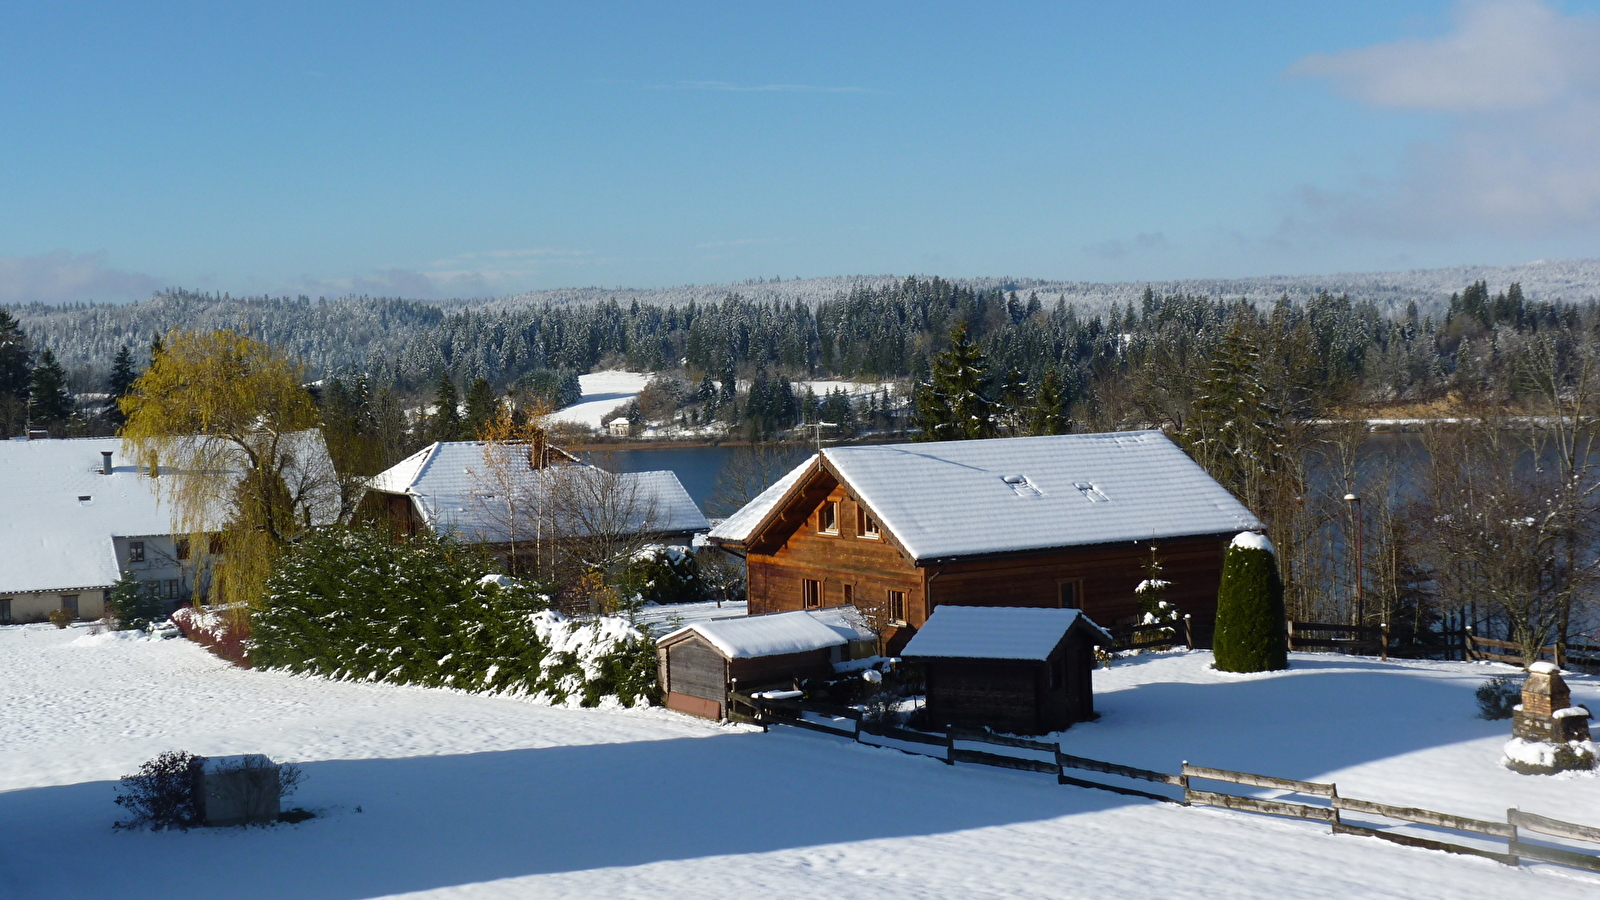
(1331, 809)
(1563, 655)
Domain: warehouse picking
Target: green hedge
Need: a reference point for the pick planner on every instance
(356, 605)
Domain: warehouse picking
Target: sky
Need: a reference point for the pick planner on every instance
(481, 149)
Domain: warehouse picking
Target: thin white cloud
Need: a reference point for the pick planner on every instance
(1116, 248)
(731, 87)
(61, 276)
(1519, 81)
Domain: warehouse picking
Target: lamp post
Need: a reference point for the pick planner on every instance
(1355, 519)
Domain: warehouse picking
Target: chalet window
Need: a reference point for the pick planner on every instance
(810, 593)
(897, 606)
(828, 518)
(866, 525)
(135, 551)
(5, 611)
(183, 548)
(69, 602)
(1071, 594)
(169, 589)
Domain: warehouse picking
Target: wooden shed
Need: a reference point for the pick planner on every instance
(700, 663)
(1013, 669)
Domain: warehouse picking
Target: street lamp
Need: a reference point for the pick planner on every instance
(1355, 519)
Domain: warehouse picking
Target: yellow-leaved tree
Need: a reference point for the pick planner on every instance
(227, 426)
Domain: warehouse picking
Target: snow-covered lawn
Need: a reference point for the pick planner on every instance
(602, 392)
(451, 795)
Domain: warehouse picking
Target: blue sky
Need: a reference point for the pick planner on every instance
(467, 149)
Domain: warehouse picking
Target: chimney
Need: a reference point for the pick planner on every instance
(105, 462)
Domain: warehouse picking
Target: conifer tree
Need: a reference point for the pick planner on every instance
(953, 404)
(1048, 412)
(1251, 625)
(1235, 432)
(15, 370)
(481, 408)
(120, 382)
(445, 423)
(49, 402)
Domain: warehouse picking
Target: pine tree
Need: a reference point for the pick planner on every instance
(15, 368)
(49, 402)
(481, 407)
(1235, 432)
(1251, 633)
(120, 384)
(445, 423)
(953, 404)
(1048, 413)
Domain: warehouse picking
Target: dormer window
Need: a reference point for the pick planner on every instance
(828, 518)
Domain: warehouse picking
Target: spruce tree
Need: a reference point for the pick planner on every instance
(445, 423)
(481, 403)
(1048, 412)
(15, 369)
(953, 404)
(49, 401)
(1251, 625)
(120, 384)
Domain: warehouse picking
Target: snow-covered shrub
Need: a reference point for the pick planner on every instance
(358, 605)
(1251, 631)
(664, 575)
(61, 618)
(133, 604)
(1541, 758)
(1498, 697)
(161, 795)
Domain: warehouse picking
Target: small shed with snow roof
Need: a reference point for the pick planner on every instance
(700, 663)
(1019, 670)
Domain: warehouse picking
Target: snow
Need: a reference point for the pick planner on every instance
(1250, 540)
(1571, 712)
(663, 619)
(951, 498)
(443, 795)
(992, 632)
(1544, 668)
(767, 635)
(1541, 754)
(602, 393)
(1151, 584)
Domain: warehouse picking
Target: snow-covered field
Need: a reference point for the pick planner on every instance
(442, 794)
(602, 392)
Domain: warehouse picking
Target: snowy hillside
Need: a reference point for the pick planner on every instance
(437, 794)
(602, 393)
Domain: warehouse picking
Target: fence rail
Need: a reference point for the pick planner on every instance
(1518, 823)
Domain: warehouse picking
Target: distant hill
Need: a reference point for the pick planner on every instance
(357, 331)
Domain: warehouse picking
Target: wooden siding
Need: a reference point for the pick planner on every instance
(764, 671)
(695, 668)
(1014, 695)
(1107, 576)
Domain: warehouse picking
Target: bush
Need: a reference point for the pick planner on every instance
(61, 618)
(162, 794)
(664, 575)
(1497, 697)
(1251, 631)
(134, 605)
(357, 605)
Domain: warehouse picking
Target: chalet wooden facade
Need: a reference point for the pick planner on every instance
(1062, 521)
(1015, 670)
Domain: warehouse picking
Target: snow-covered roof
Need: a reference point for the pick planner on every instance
(59, 513)
(775, 634)
(966, 498)
(462, 487)
(993, 632)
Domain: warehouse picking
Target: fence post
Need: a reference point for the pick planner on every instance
(1188, 632)
(1183, 780)
(1291, 634)
(1383, 635)
(949, 747)
(1561, 654)
(1511, 840)
(1333, 799)
(1469, 652)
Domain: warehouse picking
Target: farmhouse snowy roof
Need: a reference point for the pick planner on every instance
(59, 512)
(967, 498)
(994, 632)
(461, 486)
(748, 637)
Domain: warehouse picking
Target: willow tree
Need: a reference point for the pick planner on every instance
(224, 422)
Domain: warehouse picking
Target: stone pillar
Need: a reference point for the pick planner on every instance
(1547, 713)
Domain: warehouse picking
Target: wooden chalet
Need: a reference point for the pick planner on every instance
(1062, 521)
(1012, 669)
(699, 664)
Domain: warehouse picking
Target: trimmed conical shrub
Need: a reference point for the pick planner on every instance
(1250, 634)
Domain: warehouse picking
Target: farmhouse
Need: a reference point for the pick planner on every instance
(1061, 521)
(1022, 670)
(700, 663)
(499, 494)
(76, 515)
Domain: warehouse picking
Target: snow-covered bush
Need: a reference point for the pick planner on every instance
(1251, 629)
(1542, 758)
(133, 604)
(664, 575)
(358, 605)
(1498, 697)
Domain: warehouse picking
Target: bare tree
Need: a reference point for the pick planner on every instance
(750, 470)
(598, 522)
